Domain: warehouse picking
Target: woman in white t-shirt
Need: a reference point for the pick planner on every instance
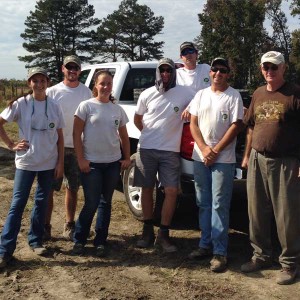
(99, 133)
(39, 153)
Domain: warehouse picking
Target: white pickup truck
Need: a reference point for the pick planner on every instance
(130, 78)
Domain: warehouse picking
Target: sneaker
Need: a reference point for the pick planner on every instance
(287, 276)
(255, 265)
(69, 228)
(4, 260)
(200, 253)
(47, 232)
(147, 238)
(39, 250)
(101, 251)
(78, 249)
(218, 263)
(163, 241)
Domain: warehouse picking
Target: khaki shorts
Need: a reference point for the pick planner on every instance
(150, 162)
(71, 172)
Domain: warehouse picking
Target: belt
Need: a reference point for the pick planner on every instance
(268, 154)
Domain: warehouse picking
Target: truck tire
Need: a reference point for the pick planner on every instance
(133, 194)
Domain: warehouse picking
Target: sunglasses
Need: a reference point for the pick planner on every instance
(72, 67)
(271, 67)
(187, 51)
(168, 70)
(221, 70)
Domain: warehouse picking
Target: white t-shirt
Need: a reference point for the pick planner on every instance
(216, 113)
(69, 99)
(196, 79)
(162, 124)
(101, 141)
(38, 122)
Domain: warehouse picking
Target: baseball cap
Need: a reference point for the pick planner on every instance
(74, 59)
(37, 70)
(273, 57)
(166, 61)
(185, 45)
(221, 61)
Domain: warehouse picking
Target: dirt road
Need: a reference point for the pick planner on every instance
(128, 272)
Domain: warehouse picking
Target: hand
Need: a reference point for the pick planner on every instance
(59, 171)
(186, 116)
(245, 162)
(125, 163)
(84, 165)
(21, 145)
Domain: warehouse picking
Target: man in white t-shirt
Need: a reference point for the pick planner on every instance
(68, 93)
(216, 119)
(158, 117)
(192, 75)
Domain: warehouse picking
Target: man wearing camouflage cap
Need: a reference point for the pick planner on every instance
(68, 93)
(272, 158)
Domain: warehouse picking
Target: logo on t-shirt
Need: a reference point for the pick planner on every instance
(206, 80)
(116, 123)
(51, 125)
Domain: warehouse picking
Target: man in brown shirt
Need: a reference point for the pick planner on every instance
(272, 157)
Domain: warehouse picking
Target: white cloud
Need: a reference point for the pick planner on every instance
(180, 16)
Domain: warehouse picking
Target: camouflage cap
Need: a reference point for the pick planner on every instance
(74, 59)
(166, 61)
(37, 70)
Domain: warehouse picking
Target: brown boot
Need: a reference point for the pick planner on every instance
(147, 238)
(163, 241)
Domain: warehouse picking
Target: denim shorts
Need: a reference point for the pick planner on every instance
(71, 172)
(150, 162)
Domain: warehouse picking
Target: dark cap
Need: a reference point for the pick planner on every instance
(221, 61)
(185, 45)
(166, 61)
(37, 70)
(74, 59)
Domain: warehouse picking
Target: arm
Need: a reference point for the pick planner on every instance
(138, 121)
(59, 169)
(22, 145)
(229, 136)
(247, 148)
(84, 165)
(207, 152)
(125, 144)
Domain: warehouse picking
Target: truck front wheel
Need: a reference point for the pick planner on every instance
(133, 194)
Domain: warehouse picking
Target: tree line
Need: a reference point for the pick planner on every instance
(230, 28)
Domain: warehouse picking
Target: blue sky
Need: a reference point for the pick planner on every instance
(181, 24)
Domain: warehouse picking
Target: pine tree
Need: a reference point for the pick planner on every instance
(55, 29)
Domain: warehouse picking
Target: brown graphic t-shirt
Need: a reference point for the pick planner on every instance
(275, 119)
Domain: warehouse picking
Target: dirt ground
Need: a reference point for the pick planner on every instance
(127, 272)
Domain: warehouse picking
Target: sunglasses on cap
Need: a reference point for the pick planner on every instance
(270, 67)
(72, 67)
(168, 70)
(187, 51)
(221, 70)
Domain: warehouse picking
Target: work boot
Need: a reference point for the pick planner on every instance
(255, 265)
(69, 229)
(147, 238)
(218, 263)
(163, 241)
(287, 276)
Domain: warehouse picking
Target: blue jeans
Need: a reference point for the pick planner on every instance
(213, 187)
(98, 187)
(22, 185)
